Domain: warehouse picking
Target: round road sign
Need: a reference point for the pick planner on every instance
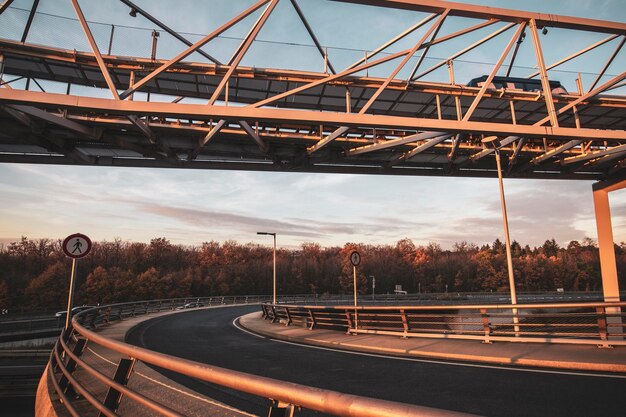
(76, 245)
(355, 258)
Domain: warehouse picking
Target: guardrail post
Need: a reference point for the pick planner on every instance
(122, 375)
(280, 409)
(405, 324)
(312, 317)
(486, 326)
(349, 318)
(288, 316)
(602, 327)
(274, 317)
(78, 349)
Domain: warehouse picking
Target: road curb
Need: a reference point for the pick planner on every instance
(254, 323)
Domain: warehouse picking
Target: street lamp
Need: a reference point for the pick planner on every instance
(494, 143)
(274, 236)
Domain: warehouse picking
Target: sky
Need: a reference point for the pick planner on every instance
(193, 206)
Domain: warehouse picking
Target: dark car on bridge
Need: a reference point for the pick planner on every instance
(195, 304)
(514, 83)
(75, 310)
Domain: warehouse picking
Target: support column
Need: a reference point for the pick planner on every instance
(608, 265)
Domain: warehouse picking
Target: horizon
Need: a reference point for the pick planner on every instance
(5, 242)
(191, 206)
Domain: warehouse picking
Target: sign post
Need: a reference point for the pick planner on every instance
(75, 246)
(355, 259)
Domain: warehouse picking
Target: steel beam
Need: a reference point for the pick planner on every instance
(308, 28)
(384, 85)
(394, 40)
(616, 150)
(393, 143)
(575, 55)
(421, 148)
(463, 51)
(29, 22)
(586, 97)
(488, 151)
(5, 5)
(508, 15)
(207, 138)
(545, 82)
(57, 120)
(325, 141)
(168, 29)
(608, 63)
(204, 112)
(425, 51)
(192, 48)
(243, 48)
(254, 135)
(554, 152)
(493, 73)
(329, 78)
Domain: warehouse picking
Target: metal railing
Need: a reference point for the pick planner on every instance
(68, 368)
(576, 323)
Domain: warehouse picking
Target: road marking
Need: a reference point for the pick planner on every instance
(468, 365)
(244, 330)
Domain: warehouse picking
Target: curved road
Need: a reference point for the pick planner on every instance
(209, 336)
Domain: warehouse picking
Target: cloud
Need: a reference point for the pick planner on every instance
(294, 227)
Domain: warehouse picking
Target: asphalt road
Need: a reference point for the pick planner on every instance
(209, 336)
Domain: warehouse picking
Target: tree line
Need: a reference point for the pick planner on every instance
(34, 274)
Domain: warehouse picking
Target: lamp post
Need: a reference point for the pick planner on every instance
(496, 145)
(274, 286)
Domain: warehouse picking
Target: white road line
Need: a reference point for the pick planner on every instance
(468, 365)
(246, 331)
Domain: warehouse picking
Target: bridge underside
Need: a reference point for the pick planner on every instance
(214, 115)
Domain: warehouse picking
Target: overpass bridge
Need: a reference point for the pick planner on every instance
(83, 92)
(74, 94)
(77, 91)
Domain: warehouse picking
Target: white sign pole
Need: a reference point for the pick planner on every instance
(355, 259)
(356, 318)
(70, 297)
(74, 246)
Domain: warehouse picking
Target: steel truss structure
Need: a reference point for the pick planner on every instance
(339, 120)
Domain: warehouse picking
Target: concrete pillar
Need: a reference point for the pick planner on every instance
(608, 265)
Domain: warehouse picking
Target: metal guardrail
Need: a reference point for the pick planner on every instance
(283, 397)
(574, 323)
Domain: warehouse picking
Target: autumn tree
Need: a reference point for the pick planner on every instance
(5, 298)
(50, 288)
(346, 277)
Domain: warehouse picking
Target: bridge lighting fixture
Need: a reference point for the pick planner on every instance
(544, 31)
(133, 12)
(274, 280)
